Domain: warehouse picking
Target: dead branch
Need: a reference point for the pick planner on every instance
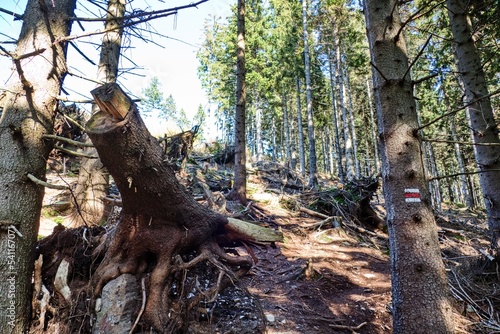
(457, 110)
(16, 16)
(436, 140)
(67, 140)
(313, 213)
(417, 57)
(46, 184)
(458, 174)
(75, 153)
(351, 328)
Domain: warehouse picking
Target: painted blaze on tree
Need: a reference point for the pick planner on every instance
(419, 284)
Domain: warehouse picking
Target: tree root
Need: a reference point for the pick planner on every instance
(172, 293)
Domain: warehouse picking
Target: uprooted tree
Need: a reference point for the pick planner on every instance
(160, 221)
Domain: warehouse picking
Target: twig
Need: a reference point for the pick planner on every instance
(457, 110)
(313, 213)
(65, 99)
(75, 153)
(491, 258)
(464, 173)
(67, 140)
(16, 16)
(351, 328)
(143, 306)
(45, 184)
(416, 58)
(459, 142)
(71, 120)
(379, 72)
(427, 77)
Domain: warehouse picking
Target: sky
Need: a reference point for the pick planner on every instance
(173, 62)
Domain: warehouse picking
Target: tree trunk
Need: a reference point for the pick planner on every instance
(335, 119)
(482, 122)
(302, 149)
(239, 191)
(373, 126)
(352, 127)
(313, 170)
(258, 134)
(420, 296)
(286, 124)
(464, 186)
(160, 220)
(28, 114)
(93, 178)
(349, 159)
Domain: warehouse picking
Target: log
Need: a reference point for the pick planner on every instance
(251, 232)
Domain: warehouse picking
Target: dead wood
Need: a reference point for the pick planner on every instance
(178, 147)
(160, 221)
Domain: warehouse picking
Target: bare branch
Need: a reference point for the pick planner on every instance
(65, 99)
(464, 173)
(16, 16)
(458, 109)
(46, 184)
(427, 77)
(67, 140)
(417, 56)
(436, 140)
(75, 153)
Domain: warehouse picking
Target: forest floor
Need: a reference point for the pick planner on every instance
(336, 279)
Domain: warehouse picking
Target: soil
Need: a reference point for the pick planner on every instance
(327, 279)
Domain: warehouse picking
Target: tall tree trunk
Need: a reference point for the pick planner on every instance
(482, 122)
(313, 170)
(28, 115)
(420, 296)
(286, 124)
(348, 154)
(335, 118)
(352, 127)
(373, 127)
(239, 191)
(464, 186)
(258, 133)
(93, 177)
(302, 153)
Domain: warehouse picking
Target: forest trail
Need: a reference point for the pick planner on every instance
(326, 279)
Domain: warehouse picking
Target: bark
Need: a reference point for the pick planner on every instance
(340, 168)
(313, 170)
(302, 154)
(239, 191)
(420, 296)
(160, 220)
(258, 133)
(352, 127)
(373, 126)
(348, 154)
(286, 125)
(28, 114)
(464, 187)
(93, 178)
(481, 118)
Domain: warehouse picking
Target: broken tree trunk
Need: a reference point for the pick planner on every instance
(160, 221)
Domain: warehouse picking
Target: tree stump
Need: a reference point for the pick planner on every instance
(160, 221)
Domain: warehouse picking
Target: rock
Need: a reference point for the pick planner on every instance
(270, 317)
(119, 300)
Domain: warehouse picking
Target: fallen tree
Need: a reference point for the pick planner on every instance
(160, 222)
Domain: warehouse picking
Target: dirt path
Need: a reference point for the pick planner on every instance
(321, 282)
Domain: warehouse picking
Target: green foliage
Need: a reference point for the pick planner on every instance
(167, 108)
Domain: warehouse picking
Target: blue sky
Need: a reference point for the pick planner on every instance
(174, 63)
